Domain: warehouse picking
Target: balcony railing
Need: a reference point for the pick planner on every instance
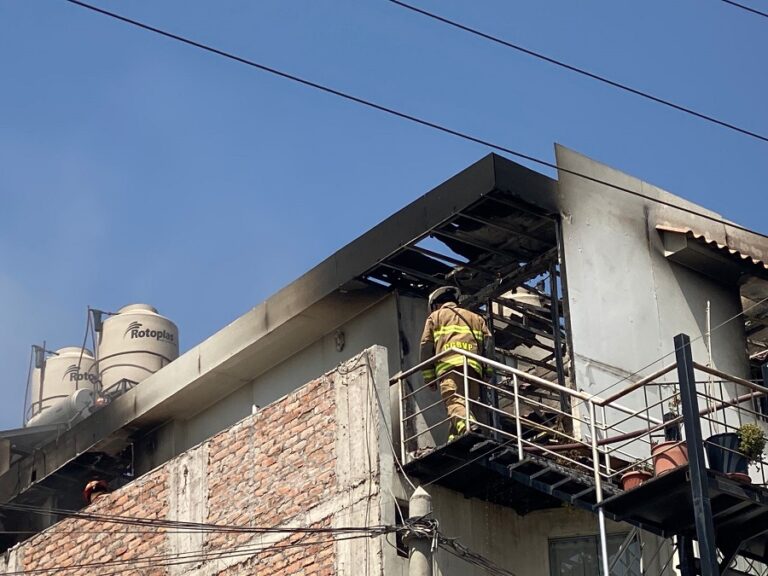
(605, 437)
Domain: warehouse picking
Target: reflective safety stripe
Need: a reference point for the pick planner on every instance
(451, 362)
(429, 374)
(456, 329)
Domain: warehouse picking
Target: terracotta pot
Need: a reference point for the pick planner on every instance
(633, 479)
(740, 477)
(668, 456)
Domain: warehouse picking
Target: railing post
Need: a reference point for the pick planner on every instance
(605, 433)
(702, 509)
(518, 423)
(466, 394)
(598, 490)
(556, 336)
(401, 413)
(764, 371)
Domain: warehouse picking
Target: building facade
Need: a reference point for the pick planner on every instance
(584, 281)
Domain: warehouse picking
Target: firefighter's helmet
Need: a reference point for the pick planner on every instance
(444, 294)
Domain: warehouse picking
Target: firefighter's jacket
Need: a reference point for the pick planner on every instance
(452, 327)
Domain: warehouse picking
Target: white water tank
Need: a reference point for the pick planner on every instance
(66, 410)
(64, 372)
(135, 343)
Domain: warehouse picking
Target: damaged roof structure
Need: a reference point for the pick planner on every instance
(582, 282)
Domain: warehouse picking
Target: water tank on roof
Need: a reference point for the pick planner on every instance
(58, 377)
(66, 410)
(134, 344)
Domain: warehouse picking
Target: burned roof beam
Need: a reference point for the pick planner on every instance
(522, 358)
(539, 312)
(527, 208)
(459, 237)
(415, 273)
(505, 228)
(452, 260)
(521, 274)
(522, 327)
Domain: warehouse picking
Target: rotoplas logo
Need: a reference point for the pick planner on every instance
(74, 375)
(137, 330)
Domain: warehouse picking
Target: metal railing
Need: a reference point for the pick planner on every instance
(603, 437)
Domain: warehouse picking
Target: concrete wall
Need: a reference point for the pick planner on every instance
(627, 301)
(313, 458)
(376, 325)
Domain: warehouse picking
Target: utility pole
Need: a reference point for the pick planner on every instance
(702, 508)
(419, 541)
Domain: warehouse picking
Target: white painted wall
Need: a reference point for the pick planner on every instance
(627, 301)
(376, 325)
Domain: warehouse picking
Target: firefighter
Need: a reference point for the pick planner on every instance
(450, 326)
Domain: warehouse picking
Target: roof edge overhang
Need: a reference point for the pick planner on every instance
(309, 307)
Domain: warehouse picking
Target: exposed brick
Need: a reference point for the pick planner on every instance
(264, 471)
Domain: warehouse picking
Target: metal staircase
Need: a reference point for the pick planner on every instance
(516, 461)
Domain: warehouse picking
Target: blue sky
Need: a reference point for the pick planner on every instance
(137, 169)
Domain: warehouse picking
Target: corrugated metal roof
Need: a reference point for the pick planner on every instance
(723, 249)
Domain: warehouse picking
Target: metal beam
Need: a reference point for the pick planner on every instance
(517, 205)
(415, 273)
(462, 237)
(504, 228)
(564, 401)
(519, 275)
(450, 259)
(702, 509)
(687, 559)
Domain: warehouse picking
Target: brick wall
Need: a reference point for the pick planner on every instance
(311, 459)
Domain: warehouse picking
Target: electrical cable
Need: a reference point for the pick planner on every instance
(186, 557)
(577, 70)
(341, 533)
(452, 546)
(194, 526)
(747, 8)
(405, 116)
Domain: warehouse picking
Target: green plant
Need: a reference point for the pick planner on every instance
(674, 402)
(751, 441)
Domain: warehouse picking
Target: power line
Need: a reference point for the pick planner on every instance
(323, 536)
(132, 564)
(404, 116)
(160, 523)
(747, 8)
(452, 546)
(583, 72)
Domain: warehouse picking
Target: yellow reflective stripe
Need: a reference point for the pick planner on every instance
(429, 374)
(452, 362)
(456, 329)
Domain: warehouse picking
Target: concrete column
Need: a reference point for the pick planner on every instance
(419, 545)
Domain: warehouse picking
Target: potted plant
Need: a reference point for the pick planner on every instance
(731, 452)
(634, 478)
(673, 452)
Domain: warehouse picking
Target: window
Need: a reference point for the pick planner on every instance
(581, 556)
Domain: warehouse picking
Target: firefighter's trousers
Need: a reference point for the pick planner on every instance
(452, 391)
